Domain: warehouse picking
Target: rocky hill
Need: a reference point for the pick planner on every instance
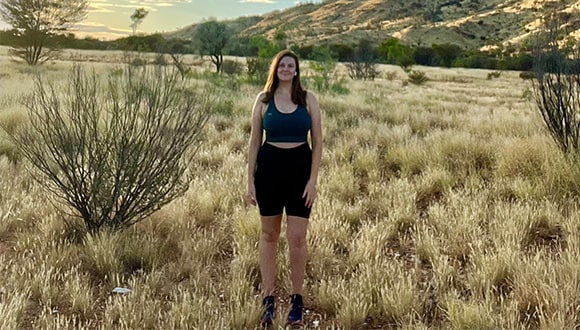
(468, 23)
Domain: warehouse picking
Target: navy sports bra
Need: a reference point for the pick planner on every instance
(286, 127)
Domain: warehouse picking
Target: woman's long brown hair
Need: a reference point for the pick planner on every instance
(297, 93)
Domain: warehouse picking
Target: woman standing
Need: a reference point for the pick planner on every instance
(283, 173)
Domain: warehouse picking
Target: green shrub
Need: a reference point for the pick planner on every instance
(417, 77)
(224, 107)
(494, 74)
(258, 67)
(231, 67)
(339, 88)
(391, 75)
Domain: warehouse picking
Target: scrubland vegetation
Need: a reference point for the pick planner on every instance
(444, 205)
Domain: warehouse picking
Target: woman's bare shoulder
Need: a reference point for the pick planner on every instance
(310, 97)
(261, 96)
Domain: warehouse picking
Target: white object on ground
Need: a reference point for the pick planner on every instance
(121, 290)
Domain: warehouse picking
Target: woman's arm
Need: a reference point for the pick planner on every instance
(254, 145)
(316, 137)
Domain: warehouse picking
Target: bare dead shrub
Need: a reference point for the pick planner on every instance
(556, 85)
(362, 70)
(117, 153)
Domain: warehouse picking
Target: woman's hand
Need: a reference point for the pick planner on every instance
(309, 193)
(251, 197)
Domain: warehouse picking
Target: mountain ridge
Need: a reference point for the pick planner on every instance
(471, 24)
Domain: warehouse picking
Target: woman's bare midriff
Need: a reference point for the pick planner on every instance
(286, 145)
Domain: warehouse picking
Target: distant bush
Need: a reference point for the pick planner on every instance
(148, 43)
(519, 62)
(417, 77)
(361, 70)
(494, 74)
(160, 59)
(258, 68)
(231, 67)
(477, 60)
(224, 107)
(446, 54)
(324, 68)
(344, 53)
(339, 88)
(392, 51)
(527, 75)
(391, 75)
(363, 64)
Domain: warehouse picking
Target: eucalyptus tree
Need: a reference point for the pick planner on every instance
(211, 38)
(137, 18)
(34, 22)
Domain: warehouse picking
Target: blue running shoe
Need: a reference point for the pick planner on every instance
(268, 311)
(295, 314)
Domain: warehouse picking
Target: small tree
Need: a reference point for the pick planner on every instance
(137, 18)
(263, 47)
(392, 51)
(211, 38)
(556, 84)
(116, 154)
(446, 54)
(177, 48)
(34, 22)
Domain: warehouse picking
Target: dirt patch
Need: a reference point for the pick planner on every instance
(7, 245)
(545, 234)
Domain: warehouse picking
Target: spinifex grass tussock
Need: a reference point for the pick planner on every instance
(469, 315)
(441, 206)
(11, 119)
(493, 274)
(463, 155)
(528, 158)
(432, 189)
(403, 160)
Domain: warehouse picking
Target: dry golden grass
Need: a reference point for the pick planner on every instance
(440, 206)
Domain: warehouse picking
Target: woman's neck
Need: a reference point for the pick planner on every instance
(284, 87)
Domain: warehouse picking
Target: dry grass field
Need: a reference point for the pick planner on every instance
(441, 206)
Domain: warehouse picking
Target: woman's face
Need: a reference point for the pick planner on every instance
(286, 68)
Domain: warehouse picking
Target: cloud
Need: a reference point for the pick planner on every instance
(99, 31)
(107, 6)
(99, 8)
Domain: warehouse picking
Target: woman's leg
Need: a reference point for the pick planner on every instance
(296, 234)
(268, 249)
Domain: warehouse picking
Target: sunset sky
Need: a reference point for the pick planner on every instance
(109, 19)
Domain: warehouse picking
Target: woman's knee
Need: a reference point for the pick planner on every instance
(296, 239)
(270, 235)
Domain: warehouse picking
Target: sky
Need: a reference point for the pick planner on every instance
(110, 19)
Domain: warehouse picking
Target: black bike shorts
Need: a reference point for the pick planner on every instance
(280, 180)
